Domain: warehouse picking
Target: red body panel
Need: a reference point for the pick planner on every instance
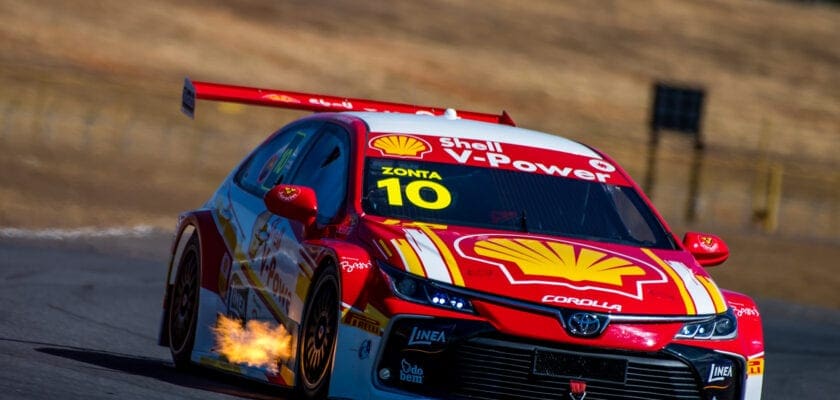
(212, 246)
(522, 285)
(636, 281)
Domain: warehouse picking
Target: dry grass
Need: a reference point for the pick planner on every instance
(91, 135)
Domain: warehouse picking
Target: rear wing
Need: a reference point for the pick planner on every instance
(312, 102)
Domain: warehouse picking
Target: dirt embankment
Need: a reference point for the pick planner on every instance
(90, 132)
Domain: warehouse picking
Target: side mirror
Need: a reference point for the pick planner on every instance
(293, 202)
(708, 250)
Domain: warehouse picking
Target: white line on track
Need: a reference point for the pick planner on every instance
(76, 233)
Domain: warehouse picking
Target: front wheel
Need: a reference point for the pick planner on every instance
(319, 329)
(183, 305)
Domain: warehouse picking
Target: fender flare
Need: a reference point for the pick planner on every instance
(749, 321)
(354, 266)
(212, 248)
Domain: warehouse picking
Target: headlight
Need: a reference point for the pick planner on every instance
(723, 326)
(420, 290)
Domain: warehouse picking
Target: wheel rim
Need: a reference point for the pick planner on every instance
(184, 302)
(319, 333)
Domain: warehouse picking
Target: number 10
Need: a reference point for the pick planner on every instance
(412, 191)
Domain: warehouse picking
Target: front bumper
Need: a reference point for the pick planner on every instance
(450, 358)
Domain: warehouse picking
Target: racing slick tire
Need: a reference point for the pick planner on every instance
(183, 305)
(318, 332)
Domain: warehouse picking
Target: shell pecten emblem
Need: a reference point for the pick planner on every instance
(289, 193)
(281, 98)
(406, 146)
(558, 260)
(529, 260)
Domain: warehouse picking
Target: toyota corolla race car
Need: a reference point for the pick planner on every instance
(379, 250)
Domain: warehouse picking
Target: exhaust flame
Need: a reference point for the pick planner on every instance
(257, 344)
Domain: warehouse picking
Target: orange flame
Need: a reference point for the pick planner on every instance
(257, 344)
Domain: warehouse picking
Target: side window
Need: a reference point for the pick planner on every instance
(324, 169)
(269, 164)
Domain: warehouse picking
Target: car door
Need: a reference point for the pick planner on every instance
(256, 289)
(274, 272)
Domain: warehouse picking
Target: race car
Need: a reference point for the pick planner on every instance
(377, 250)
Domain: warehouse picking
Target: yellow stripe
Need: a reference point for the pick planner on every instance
(714, 293)
(229, 234)
(302, 286)
(377, 315)
(411, 260)
(755, 366)
(267, 299)
(287, 374)
(227, 229)
(689, 303)
(385, 248)
(457, 278)
(219, 364)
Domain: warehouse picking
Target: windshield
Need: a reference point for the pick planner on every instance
(509, 200)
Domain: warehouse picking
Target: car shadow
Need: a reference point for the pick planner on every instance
(163, 370)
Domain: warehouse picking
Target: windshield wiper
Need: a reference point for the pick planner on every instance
(523, 221)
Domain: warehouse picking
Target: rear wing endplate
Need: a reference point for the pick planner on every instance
(194, 90)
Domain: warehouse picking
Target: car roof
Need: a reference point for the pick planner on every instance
(443, 126)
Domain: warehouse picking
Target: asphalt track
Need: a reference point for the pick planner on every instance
(79, 314)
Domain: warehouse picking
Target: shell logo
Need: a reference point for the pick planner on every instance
(401, 146)
(280, 98)
(558, 260)
(529, 260)
(288, 193)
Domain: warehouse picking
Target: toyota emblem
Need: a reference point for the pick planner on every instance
(585, 324)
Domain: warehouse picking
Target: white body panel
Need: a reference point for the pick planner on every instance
(471, 130)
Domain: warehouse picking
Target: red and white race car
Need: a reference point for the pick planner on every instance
(377, 250)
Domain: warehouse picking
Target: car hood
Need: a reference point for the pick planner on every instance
(549, 270)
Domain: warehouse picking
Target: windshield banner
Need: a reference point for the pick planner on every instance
(493, 154)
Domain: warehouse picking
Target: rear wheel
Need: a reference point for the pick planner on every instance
(318, 333)
(183, 305)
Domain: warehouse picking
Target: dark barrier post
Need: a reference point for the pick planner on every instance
(680, 109)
